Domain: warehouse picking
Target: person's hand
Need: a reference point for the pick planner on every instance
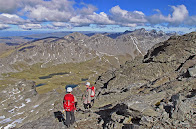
(76, 103)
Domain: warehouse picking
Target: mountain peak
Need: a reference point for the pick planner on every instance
(172, 49)
(98, 36)
(76, 36)
(127, 31)
(142, 30)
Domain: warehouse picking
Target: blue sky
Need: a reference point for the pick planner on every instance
(97, 15)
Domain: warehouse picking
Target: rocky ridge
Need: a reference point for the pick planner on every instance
(77, 47)
(146, 39)
(154, 91)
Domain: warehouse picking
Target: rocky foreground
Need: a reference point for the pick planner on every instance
(155, 91)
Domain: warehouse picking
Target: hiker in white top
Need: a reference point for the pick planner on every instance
(87, 96)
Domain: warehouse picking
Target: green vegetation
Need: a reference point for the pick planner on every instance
(7, 53)
(90, 69)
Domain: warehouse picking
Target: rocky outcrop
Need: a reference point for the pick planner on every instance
(156, 91)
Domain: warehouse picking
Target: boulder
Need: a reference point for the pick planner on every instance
(192, 71)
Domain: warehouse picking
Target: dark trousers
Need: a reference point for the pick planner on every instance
(70, 118)
(87, 106)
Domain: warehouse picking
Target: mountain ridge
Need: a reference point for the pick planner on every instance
(152, 91)
(75, 44)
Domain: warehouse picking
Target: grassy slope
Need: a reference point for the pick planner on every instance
(6, 53)
(89, 69)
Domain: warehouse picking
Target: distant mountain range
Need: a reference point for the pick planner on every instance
(19, 37)
(78, 47)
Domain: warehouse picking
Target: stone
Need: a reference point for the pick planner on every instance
(192, 71)
(149, 112)
(147, 121)
(127, 120)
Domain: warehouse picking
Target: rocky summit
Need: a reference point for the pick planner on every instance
(156, 91)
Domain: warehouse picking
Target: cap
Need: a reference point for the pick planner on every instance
(88, 83)
(69, 89)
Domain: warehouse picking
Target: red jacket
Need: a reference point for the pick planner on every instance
(69, 102)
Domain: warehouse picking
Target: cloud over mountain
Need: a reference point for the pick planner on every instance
(3, 26)
(60, 10)
(180, 13)
(101, 19)
(68, 14)
(126, 18)
(30, 26)
(11, 19)
(191, 21)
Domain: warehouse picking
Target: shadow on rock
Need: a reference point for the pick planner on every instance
(106, 114)
(130, 126)
(60, 116)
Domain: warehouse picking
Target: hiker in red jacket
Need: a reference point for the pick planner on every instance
(69, 104)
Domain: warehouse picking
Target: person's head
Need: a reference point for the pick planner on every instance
(69, 89)
(87, 84)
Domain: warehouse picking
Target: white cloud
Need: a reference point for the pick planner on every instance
(4, 26)
(129, 24)
(64, 14)
(8, 6)
(191, 21)
(30, 26)
(180, 13)
(87, 10)
(10, 15)
(116, 10)
(139, 12)
(11, 19)
(80, 20)
(124, 17)
(54, 10)
(41, 13)
(58, 25)
(100, 19)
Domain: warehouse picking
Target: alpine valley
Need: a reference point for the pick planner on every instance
(143, 79)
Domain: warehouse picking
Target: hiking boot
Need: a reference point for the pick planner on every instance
(74, 125)
(68, 126)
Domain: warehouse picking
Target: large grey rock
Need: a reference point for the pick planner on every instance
(144, 104)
